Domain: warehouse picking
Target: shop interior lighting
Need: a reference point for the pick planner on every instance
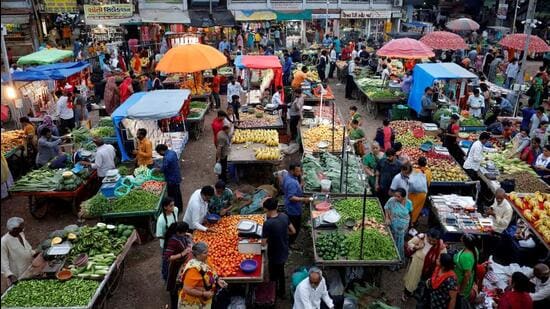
(10, 92)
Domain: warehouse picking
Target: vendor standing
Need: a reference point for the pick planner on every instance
(171, 169)
(294, 198)
(65, 112)
(220, 203)
(427, 105)
(197, 208)
(475, 155)
(17, 253)
(144, 151)
(104, 158)
(48, 147)
(450, 138)
(476, 103)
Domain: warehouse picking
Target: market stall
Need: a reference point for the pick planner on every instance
(351, 232)
(146, 110)
(195, 118)
(259, 118)
(377, 95)
(534, 209)
(45, 56)
(79, 267)
(264, 70)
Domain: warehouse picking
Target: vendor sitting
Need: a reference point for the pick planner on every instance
(48, 147)
(220, 203)
(501, 211)
(265, 98)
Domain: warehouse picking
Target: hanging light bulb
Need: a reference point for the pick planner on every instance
(10, 92)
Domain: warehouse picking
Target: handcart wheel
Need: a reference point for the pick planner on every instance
(370, 107)
(38, 207)
(76, 206)
(152, 227)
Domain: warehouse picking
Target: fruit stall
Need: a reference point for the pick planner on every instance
(376, 95)
(255, 118)
(534, 209)
(12, 141)
(337, 231)
(195, 118)
(164, 126)
(45, 187)
(261, 70)
(458, 215)
(234, 247)
(134, 199)
(327, 172)
(78, 267)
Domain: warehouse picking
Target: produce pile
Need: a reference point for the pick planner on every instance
(326, 113)
(105, 122)
(403, 126)
(197, 108)
(45, 179)
(248, 120)
(329, 166)
(267, 137)
(196, 85)
(154, 186)
(103, 131)
(508, 165)
(80, 135)
(536, 209)
(311, 138)
(136, 200)
(12, 139)
(470, 122)
(50, 293)
(367, 297)
(526, 182)
(330, 246)
(409, 140)
(223, 244)
(444, 168)
(267, 153)
(353, 208)
(375, 90)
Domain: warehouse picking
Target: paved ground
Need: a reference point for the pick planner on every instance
(142, 286)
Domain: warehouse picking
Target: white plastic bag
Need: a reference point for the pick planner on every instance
(218, 168)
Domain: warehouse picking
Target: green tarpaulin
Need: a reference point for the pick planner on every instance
(45, 56)
(298, 15)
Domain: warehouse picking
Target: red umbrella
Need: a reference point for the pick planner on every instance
(462, 24)
(517, 41)
(405, 48)
(444, 40)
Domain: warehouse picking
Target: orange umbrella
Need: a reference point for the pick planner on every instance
(190, 58)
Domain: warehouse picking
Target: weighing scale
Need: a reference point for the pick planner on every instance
(327, 220)
(112, 176)
(56, 256)
(270, 109)
(249, 229)
(307, 112)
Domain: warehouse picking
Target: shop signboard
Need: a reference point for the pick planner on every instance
(108, 11)
(502, 10)
(348, 14)
(325, 16)
(60, 6)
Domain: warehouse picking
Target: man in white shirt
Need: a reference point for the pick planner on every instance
(541, 280)
(104, 158)
(475, 155)
(65, 113)
(501, 211)
(276, 98)
(476, 102)
(401, 180)
(311, 291)
(333, 58)
(17, 253)
(233, 88)
(511, 73)
(197, 208)
(350, 82)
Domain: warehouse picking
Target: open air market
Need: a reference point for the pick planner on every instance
(360, 154)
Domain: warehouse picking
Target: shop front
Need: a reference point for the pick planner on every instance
(292, 25)
(105, 21)
(20, 32)
(321, 20)
(367, 24)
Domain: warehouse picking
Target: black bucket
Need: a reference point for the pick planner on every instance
(508, 185)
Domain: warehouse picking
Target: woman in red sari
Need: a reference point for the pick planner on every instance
(125, 89)
(111, 96)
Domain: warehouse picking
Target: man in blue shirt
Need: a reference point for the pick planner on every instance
(287, 67)
(223, 45)
(337, 46)
(294, 198)
(172, 176)
(327, 41)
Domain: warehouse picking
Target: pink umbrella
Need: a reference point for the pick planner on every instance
(517, 41)
(444, 40)
(405, 48)
(462, 24)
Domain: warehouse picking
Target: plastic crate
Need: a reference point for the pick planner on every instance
(400, 113)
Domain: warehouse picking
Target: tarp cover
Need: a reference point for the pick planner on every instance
(54, 71)
(262, 63)
(45, 56)
(425, 74)
(154, 105)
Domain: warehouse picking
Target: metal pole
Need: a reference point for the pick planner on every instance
(363, 222)
(515, 16)
(342, 161)
(326, 18)
(527, 31)
(5, 56)
(210, 6)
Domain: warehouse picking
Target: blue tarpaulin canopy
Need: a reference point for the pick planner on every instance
(54, 71)
(154, 105)
(425, 74)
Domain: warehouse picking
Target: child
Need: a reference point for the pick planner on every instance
(235, 104)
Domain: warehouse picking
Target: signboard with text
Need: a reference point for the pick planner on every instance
(108, 11)
(60, 6)
(364, 14)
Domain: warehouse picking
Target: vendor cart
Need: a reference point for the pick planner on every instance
(530, 223)
(243, 155)
(40, 201)
(106, 288)
(195, 125)
(374, 106)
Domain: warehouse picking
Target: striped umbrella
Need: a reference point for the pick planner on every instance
(406, 49)
(517, 41)
(462, 24)
(443, 40)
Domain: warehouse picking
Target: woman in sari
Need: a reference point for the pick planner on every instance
(398, 209)
(135, 64)
(418, 195)
(427, 249)
(125, 89)
(47, 122)
(370, 161)
(177, 251)
(537, 89)
(111, 96)
(443, 284)
(199, 280)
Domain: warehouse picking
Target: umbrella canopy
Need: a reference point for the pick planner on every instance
(517, 41)
(405, 48)
(462, 24)
(191, 58)
(444, 40)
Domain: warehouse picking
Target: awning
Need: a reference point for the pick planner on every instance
(294, 15)
(223, 18)
(201, 19)
(165, 16)
(15, 19)
(45, 56)
(250, 15)
(56, 71)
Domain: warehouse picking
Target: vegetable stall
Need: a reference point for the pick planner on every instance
(160, 112)
(195, 119)
(376, 95)
(78, 267)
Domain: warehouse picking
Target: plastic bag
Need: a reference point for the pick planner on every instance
(218, 168)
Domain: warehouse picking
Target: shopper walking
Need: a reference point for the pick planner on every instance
(171, 169)
(350, 78)
(398, 209)
(295, 113)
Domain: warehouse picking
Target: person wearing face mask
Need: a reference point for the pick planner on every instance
(311, 291)
(17, 253)
(541, 280)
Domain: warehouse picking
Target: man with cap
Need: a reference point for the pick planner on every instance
(17, 253)
(541, 280)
